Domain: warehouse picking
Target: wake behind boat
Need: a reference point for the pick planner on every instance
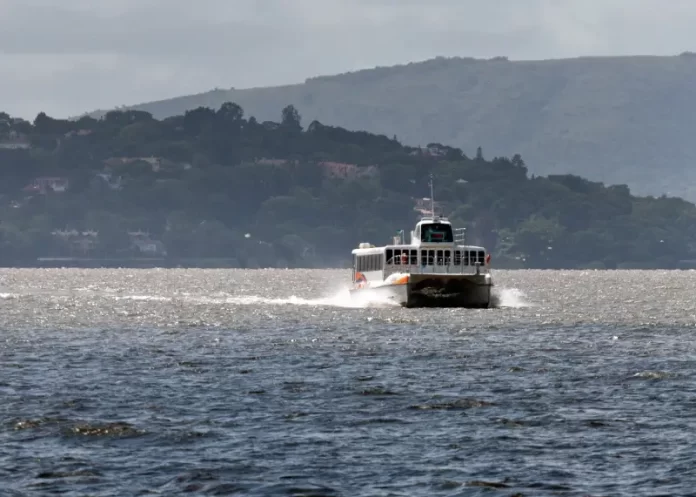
(436, 269)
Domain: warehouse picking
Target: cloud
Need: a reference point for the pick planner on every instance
(68, 57)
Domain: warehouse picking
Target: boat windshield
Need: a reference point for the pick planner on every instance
(436, 233)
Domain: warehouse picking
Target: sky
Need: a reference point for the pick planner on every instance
(66, 57)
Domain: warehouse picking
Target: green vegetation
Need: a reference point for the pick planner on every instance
(610, 119)
(215, 187)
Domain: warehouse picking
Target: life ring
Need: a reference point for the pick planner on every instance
(360, 280)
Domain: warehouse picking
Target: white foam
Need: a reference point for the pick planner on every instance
(146, 298)
(502, 297)
(510, 297)
(392, 278)
(341, 298)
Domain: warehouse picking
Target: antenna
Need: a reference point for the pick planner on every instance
(432, 196)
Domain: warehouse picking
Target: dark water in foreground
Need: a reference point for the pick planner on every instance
(176, 382)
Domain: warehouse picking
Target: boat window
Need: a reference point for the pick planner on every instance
(390, 256)
(466, 258)
(481, 257)
(448, 258)
(424, 257)
(397, 256)
(414, 257)
(440, 259)
(431, 257)
(369, 262)
(374, 262)
(457, 257)
(436, 233)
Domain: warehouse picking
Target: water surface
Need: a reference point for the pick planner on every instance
(225, 382)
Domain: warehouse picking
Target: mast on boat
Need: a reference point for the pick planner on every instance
(432, 197)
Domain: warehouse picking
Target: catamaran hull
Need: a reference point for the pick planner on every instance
(467, 291)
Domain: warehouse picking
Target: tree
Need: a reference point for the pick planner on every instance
(518, 162)
(5, 123)
(48, 126)
(197, 119)
(536, 238)
(121, 118)
(290, 118)
(230, 112)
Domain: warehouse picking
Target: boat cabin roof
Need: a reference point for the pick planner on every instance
(439, 246)
(430, 233)
(368, 251)
(433, 219)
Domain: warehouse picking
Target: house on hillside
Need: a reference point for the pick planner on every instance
(346, 171)
(44, 184)
(435, 150)
(271, 162)
(78, 242)
(78, 132)
(423, 206)
(14, 141)
(146, 245)
(115, 162)
(109, 180)
(156, 164)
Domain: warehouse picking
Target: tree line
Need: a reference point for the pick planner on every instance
(214, 187)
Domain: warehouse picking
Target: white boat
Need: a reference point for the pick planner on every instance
(436, 269)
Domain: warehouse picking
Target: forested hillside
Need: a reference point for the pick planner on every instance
(214, 187)
(625, 120)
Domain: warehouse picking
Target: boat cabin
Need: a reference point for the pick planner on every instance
(435, 247)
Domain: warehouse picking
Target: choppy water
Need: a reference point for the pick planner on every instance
(219, 382)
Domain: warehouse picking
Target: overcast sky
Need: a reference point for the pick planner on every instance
(65, 57)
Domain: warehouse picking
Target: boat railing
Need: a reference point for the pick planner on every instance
(436, 269)
(460, 236)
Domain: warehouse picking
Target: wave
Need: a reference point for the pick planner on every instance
(509, 297)
(501, 298)
(341, 298)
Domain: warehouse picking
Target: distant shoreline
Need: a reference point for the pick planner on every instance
(233, 263)
(139, 263)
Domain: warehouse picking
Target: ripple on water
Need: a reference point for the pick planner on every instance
(227, 382)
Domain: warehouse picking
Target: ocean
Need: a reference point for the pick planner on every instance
(271, 383)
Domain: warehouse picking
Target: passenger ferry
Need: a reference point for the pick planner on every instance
(436, 269)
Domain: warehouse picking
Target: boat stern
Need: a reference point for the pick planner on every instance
(445, 290)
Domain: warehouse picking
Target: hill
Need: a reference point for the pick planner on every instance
(212, 187)
(618, 120)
